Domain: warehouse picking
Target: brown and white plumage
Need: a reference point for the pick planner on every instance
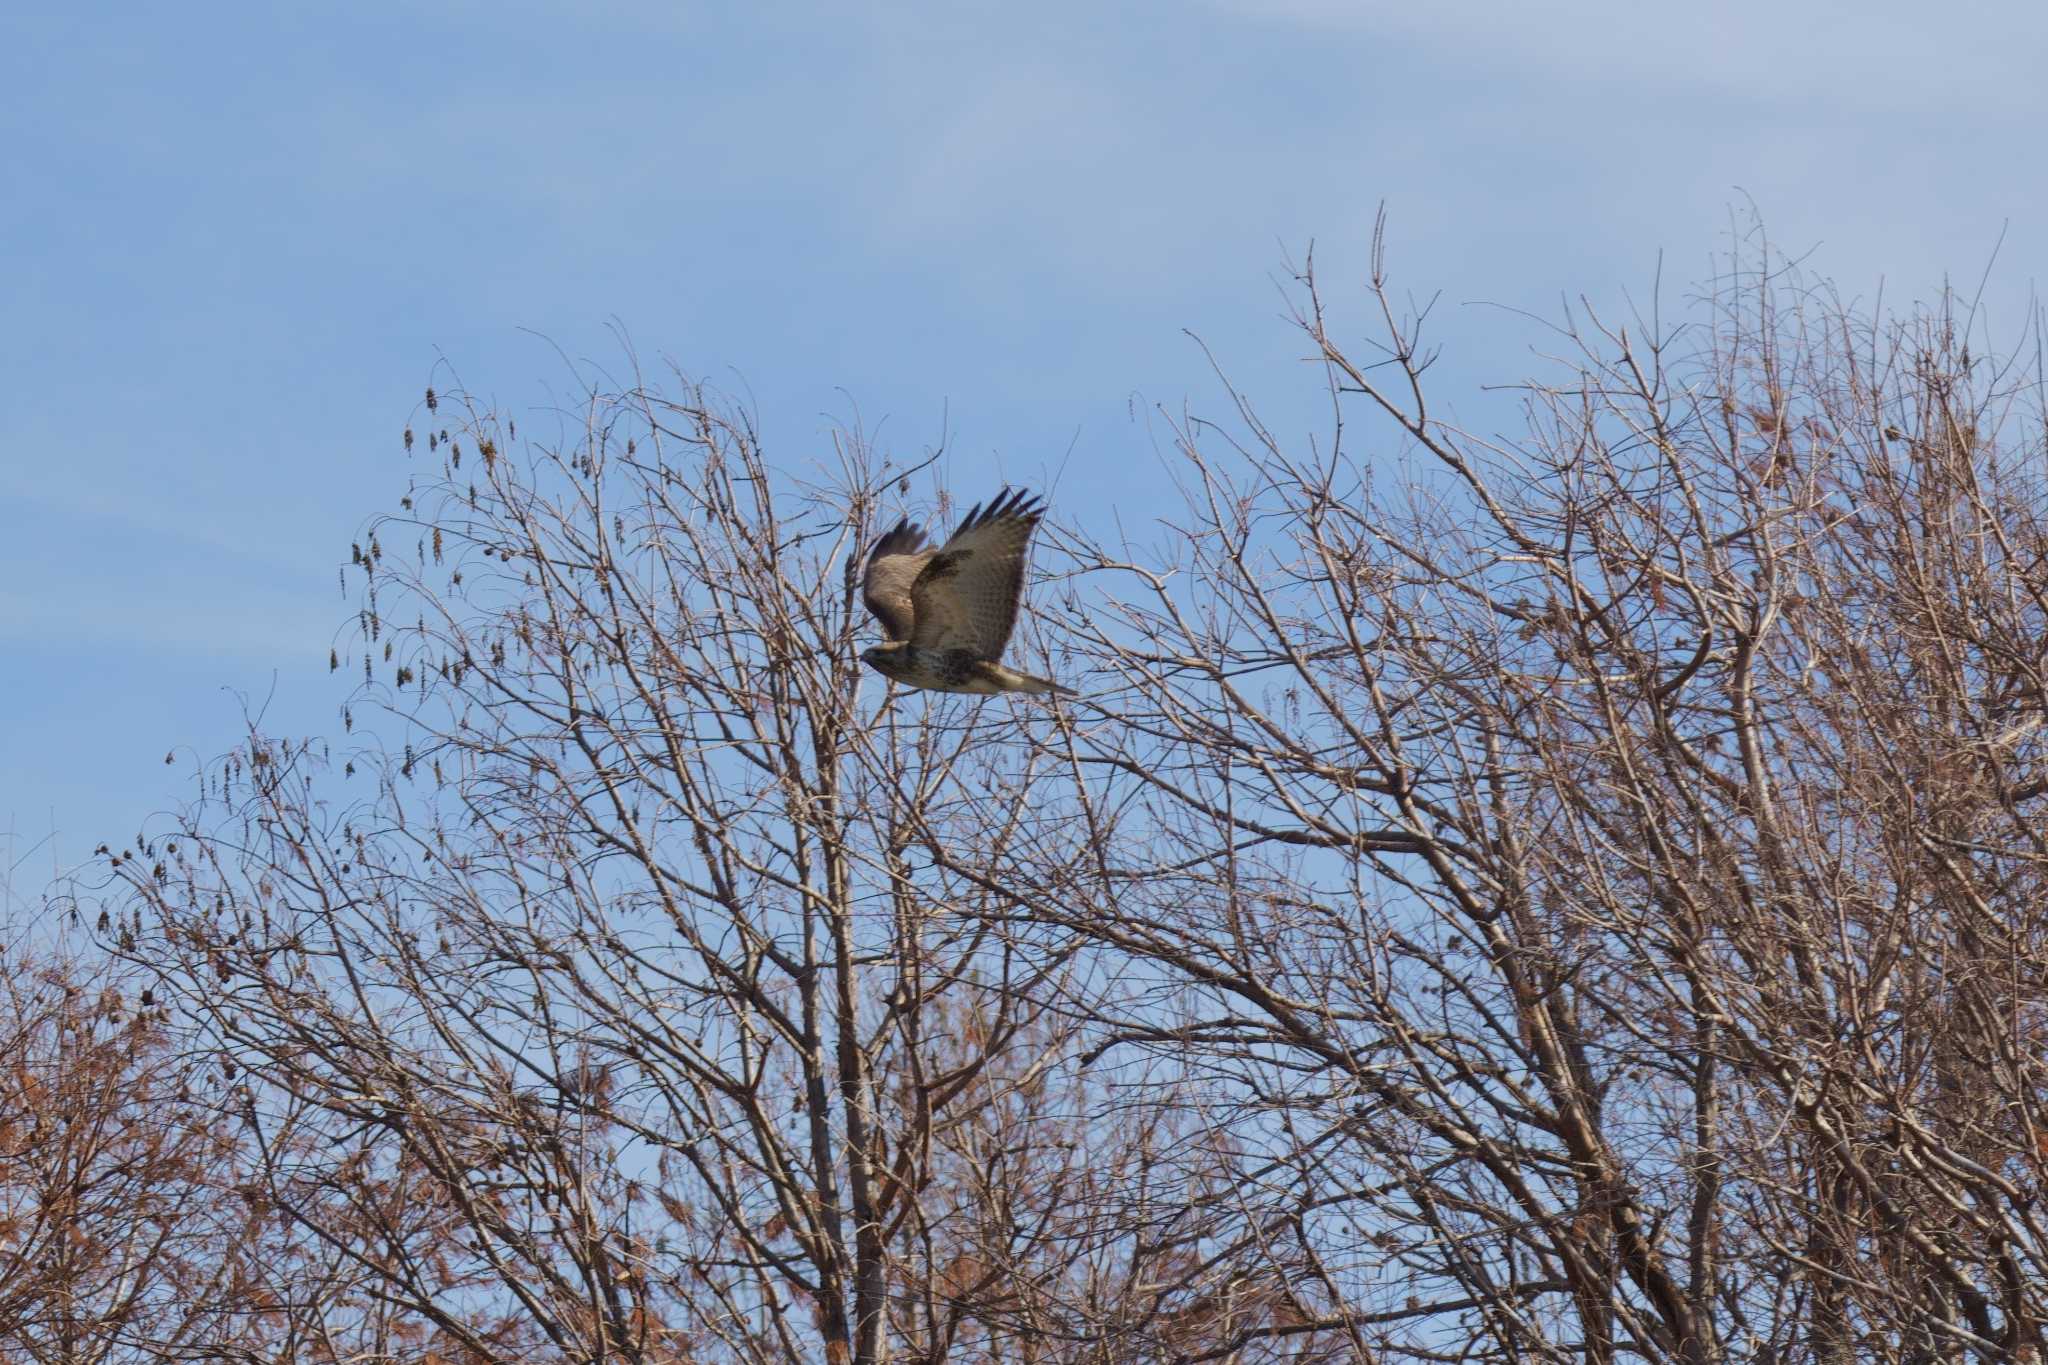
(948, 612)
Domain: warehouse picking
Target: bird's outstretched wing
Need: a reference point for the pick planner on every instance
(965, 597)
(893, 566)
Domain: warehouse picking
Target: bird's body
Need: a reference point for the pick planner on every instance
(948, 612)
(951, 670)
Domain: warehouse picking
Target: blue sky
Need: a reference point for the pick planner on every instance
(235, 241)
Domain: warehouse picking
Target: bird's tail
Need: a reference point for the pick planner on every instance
(1013, 681)
(1040, 686)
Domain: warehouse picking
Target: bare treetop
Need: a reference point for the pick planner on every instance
(1572, 896)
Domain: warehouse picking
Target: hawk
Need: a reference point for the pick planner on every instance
(948, 612)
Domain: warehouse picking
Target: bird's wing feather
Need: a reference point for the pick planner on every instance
(893, 566)
(966, 595)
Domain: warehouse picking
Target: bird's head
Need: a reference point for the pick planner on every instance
(883, 658)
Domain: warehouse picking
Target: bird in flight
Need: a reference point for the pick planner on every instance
(948, 612)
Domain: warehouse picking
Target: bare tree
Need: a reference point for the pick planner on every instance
(1602, 871)
(645, 992)
(1574, 897)
(124, 1231)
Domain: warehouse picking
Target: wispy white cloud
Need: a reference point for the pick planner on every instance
(269, 627)
(109, 565)
(1888, 55)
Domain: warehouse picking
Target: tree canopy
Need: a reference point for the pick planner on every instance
(1571, 895)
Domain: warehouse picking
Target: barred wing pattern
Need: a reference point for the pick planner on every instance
(965, 596)
(893, 567)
